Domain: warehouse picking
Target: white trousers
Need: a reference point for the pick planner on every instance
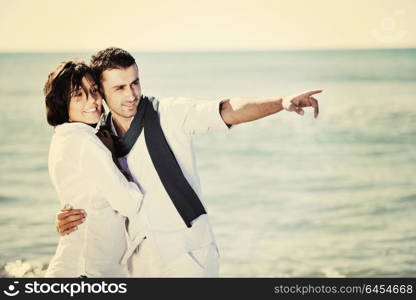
(145, 262)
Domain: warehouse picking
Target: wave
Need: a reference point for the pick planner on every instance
(19, 269)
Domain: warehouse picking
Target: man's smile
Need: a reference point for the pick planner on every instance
(130, 105)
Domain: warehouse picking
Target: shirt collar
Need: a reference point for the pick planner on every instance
(113, 128)
(72, 126)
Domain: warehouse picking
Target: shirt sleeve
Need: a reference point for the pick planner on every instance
(99, 170)
(192, 116)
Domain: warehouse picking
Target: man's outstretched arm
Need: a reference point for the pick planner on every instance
(240, 110)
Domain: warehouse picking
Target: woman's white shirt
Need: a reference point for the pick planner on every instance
(84, 175)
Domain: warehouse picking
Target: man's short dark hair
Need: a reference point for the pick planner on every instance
(110, 58)
(66, 78)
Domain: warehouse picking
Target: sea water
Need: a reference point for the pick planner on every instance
(288, 195)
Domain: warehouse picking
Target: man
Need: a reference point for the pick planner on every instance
(171, 235)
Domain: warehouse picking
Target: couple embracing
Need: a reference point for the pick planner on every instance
(127, 179)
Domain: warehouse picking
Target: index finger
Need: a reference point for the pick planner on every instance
(310, 93)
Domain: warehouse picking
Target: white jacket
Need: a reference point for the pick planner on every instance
(84, 175)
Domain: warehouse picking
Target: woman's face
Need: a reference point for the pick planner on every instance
(86, 102)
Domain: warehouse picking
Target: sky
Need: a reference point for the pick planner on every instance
(213, 25)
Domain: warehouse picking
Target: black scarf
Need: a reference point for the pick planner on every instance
(184, 198)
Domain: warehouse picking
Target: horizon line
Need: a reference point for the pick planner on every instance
(209, 51)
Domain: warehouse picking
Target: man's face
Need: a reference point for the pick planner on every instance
(122, 90)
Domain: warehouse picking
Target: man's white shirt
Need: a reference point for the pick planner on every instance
(180, 118)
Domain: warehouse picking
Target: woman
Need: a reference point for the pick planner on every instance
(84, 175)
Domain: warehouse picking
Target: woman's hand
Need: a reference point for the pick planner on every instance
(105, 137)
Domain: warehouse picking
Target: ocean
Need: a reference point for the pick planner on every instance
(288, 195)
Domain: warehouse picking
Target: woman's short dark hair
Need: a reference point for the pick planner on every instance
(66, 78)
